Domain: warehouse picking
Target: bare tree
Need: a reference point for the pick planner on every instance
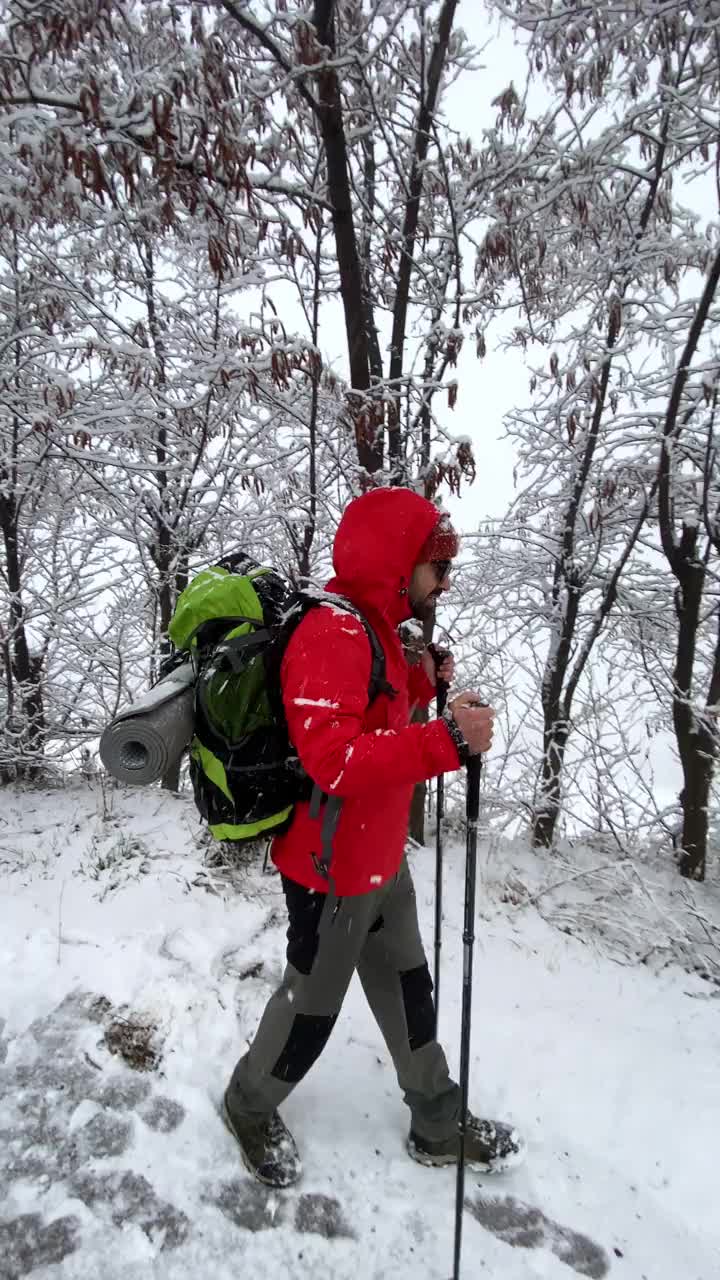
(694, 568)
(601, 253)
(37, 360)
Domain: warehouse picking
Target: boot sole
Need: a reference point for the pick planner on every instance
(266, 1182)
(503, 1164)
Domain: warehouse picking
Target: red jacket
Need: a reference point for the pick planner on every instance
(369, 755)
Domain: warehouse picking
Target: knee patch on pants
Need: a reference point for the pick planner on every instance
(308, 1036)
(417, 991)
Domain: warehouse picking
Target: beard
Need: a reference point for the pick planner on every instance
(423, 607)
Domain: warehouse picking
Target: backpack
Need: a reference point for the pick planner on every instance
(234, 621)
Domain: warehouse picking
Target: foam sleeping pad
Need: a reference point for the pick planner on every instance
(146, 739)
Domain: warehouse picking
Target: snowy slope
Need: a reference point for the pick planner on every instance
(609, 1069)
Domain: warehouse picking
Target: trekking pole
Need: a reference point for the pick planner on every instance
(472, 812)
(441, 694)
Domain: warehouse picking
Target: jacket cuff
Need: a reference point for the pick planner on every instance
(461, 745)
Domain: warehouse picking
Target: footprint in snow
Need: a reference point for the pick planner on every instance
(253, 1207)
(525, 1227)
(61, 1119)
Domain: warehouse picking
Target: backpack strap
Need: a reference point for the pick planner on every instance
(332, 808)
(378, 678)
(233, 650)
(211, 633)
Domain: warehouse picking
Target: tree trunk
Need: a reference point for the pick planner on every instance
(369, 170)
(695, 740)
(556, 711)
(698, 771)
(25, 671)
(171, 778)
(367, 415)
(424, 125)
(166, 601)
(547, 811)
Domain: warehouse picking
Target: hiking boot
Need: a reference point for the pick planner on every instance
(490, 1147)
(266, 1145)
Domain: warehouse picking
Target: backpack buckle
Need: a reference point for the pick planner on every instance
(320, 867)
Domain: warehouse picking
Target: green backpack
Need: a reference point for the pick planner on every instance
(234, 621)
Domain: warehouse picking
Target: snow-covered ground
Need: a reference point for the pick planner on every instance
(609, 1066)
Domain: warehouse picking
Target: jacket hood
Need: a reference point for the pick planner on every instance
(376, 548)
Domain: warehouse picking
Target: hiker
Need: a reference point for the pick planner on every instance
(392, 556)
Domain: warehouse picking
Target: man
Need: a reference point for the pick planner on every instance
(392, 557)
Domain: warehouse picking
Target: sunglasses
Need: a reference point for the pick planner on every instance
(442, 568)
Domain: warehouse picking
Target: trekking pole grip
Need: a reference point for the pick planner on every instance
(441, 686)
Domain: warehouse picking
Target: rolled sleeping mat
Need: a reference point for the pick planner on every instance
(144, 741)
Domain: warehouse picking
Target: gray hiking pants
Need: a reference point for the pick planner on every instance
(328, 939)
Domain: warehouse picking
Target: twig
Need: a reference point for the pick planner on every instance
(579, 875)
(708, 925)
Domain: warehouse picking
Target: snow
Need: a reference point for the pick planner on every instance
(609, 1069)
(316, 702)
(340, 611)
